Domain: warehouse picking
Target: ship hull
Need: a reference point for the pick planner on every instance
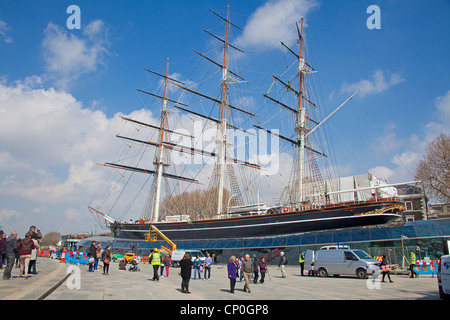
(277, 224)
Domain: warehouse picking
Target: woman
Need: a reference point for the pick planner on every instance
(167, 265)
(98, 255)
(233, 268)
(197, 264)
(185, 272)
(262, 269)
(385, 268)
(255, 270)
(106, 257)
(93, 253)
(25, 247)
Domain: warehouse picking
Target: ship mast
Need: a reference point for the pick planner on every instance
(300, 126)
(222, 136)
(159, 157)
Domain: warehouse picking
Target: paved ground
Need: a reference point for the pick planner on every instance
(125, 285)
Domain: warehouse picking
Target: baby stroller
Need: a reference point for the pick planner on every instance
(134, 265)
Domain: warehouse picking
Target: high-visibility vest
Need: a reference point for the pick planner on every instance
(301, 258)
(156, 258)
(413, 258)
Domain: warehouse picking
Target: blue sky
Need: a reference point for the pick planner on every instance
(61, 89)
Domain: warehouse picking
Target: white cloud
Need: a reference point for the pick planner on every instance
(442, 125)
(3, 30)
(8, 213)
(377, 84)
(49, 146)
(67, 56)
(382, 172)
(403, 165)
(274, 22)
(49, 143)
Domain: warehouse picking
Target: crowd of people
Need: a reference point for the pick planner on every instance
(19, 253)
(96, 254)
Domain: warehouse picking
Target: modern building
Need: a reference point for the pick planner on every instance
(428, 238)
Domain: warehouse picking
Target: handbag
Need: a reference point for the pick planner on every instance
(179, 272)
(106, 261)
(386, 267)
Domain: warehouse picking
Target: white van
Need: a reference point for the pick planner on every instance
(178, 254)
(444, 277)
(349, 262)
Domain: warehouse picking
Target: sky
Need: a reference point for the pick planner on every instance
(62, 89)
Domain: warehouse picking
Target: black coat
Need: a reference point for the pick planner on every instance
(186, 268)
(93, 251)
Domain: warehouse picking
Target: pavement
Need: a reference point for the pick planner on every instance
(61, 281)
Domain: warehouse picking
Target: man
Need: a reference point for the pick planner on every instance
(155, 260)
(301, 260)
(411, 266)
(35, 234)
(247, 270)
(282, 265)
(208, 264)
(10, 250)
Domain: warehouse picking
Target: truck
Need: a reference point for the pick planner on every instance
(349, 262)
(178, 254)
(444, 277)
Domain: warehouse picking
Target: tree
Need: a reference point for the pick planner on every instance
(434, 169)
(51, 238)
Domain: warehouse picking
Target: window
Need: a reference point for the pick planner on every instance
(362, 254)
(409, 205)
(349, 256)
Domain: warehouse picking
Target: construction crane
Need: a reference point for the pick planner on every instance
(153, 236)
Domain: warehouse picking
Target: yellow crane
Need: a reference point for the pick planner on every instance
(152, 236)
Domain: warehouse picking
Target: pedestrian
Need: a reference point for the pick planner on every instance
(255, 270)
(2, 252)
(232, 268)
(93, 253)
(197, 265)
(25, 246)
(155, 261)
(167, 265)
(301, 260)
(35, 234)
(34, 253)
(106, 258)
(385, 267)
(186, 265)
(241, 273)
(262, 269)
(247, 269)
(161, 271)
(10, 250)
(98, 255)
(282, 265)
(208, 264)
(412, 265)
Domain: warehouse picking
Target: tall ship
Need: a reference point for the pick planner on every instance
(214, 192)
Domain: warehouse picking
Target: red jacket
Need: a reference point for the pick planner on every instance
(26, 246)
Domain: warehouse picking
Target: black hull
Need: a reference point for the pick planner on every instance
(337, 217)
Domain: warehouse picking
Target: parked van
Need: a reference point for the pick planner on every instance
(178, 254)
(444, 277)
(349, 262)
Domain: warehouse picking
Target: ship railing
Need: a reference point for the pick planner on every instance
(319, 206)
